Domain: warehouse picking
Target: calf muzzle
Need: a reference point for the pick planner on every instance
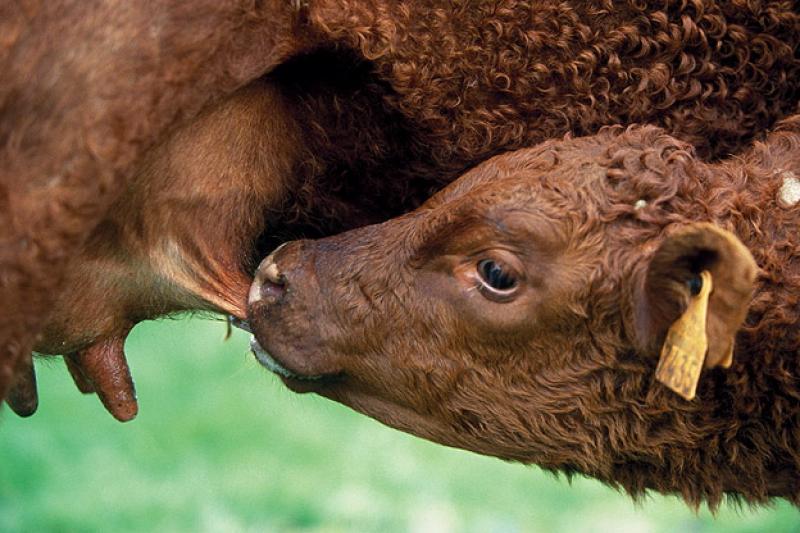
(285, 312)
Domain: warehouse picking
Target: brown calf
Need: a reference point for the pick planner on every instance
(521, 313)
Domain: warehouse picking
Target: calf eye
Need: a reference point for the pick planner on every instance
(495, 276)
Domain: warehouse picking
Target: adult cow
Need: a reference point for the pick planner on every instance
(156, 150)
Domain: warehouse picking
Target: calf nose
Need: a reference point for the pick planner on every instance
(269, 284)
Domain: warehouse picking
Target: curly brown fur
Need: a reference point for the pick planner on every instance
(446, 85)
(476, 78)
(394, 321)
(393, 100)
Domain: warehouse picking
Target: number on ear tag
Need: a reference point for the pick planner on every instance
(686, 345)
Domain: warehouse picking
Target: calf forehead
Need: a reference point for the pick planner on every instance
(560, 159)
(557, 192)
(526, 175)
(519, 197)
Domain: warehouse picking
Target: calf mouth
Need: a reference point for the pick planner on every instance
(295, 381)
(270, 363)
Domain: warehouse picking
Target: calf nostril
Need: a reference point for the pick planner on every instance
(271, 292)
(273, 275)
(269, 283)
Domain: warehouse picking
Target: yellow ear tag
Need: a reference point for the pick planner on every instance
(686, 345)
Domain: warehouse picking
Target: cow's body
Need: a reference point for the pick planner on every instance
(363, 107)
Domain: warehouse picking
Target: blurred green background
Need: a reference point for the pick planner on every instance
(220, 445)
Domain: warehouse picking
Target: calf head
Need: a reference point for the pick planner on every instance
(521, 311)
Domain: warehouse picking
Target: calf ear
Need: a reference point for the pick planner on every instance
(672, 289)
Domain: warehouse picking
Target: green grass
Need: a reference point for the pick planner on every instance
(220, 445)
